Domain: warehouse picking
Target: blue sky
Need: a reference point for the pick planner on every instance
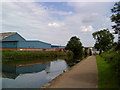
(56, 22)
(63, 6)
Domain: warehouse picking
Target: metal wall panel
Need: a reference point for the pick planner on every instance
(9, 45)
(34, 45)
(14, 37)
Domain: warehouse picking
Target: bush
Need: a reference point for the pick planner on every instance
(19, 55)
(106, 76)
(70, 55)
(113, 58)
(90, 52)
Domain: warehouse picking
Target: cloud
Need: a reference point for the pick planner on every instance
(34, 21)
(54, 24)
(37, 21)
(59, 1)
(86, 28)
(61, 12)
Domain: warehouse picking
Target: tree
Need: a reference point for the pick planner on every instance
(104, 39)
(116, 18)
(97, 46)
(86, 52)
(90, 52)
(75, 46)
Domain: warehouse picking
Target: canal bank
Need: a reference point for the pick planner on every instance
(39, 71)
(22, 55)
(32, 76)
(23, 76)
(82, 75)
(16, 58)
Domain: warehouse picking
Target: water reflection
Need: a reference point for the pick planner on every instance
(32, 76)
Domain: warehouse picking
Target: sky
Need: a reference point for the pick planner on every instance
(56, 22)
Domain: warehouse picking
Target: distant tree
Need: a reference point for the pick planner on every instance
(86, 52)
(90, 52)
(104, 39)
(116, 18)
(97, 46)
(75, 46)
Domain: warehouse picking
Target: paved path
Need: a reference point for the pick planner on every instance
(82, 75)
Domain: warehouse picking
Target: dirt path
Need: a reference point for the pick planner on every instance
(82, 75)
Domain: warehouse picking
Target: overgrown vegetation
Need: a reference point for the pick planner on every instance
(85, 53)
(34, 61)
(20, 55)
(90, 52)
(109, 66)
(112, 57)
(106, 76)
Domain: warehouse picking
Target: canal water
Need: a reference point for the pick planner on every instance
(32, 76)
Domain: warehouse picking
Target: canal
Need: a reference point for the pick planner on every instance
(32, 75)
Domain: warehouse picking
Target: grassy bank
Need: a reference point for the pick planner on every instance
(106, 76)
(14, 58)
(18, 55)
(39, 60)
(112, 57)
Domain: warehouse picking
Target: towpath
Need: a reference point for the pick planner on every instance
(82, 75)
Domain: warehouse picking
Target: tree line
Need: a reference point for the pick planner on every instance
(104, 40)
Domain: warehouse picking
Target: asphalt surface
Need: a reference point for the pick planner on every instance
(82, 75)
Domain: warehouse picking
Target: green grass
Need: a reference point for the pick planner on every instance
(22, 62)
(106, 77)
(16, 57)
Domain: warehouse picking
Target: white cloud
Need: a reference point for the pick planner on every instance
(59, 1)
(54, 24)
(35, 21)
(26, 14)
(86, 28)
(61, 12)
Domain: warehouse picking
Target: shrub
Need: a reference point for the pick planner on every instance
(113, 58)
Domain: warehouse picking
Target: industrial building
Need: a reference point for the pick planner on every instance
(14, 41)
